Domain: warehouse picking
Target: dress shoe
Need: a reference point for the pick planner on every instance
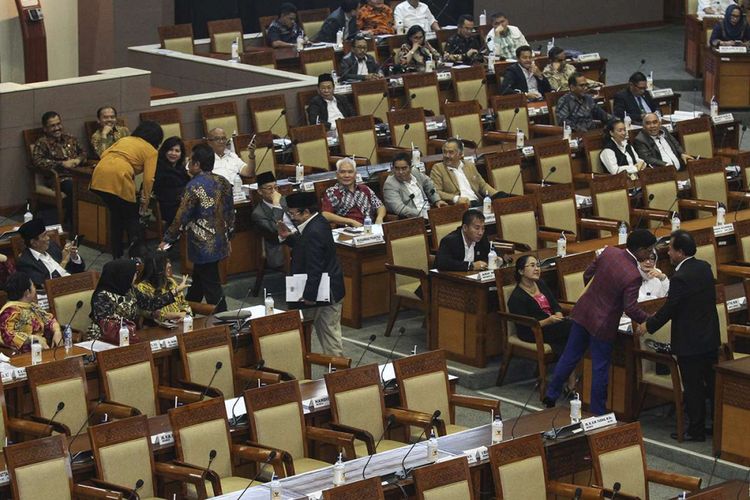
(548, 402)
(689, 437)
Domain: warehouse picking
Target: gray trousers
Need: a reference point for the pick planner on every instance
(327, 326)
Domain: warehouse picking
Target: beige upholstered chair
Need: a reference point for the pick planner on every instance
(504, 171)
(708, 183)
(276, 421)
(15, 427)
(707, 249)
(593, 143)
(423, 386)
(464, 120)
(170, 120)
(128, 441)
(64, 381)
(408, 268)
(44, 186)
(557, 208)
(201, 431)
(515, 219)
(618, 455)
(371, 98)
(279, 340)
(506, 117)
(444, 220)
(695, 136)
(315, 62)
(41, 469)
(311, 148)
(609, 92)
(448, 480)
(357, 138)
(222, 33)
(554, 154)
(177, 37)
(662, 184)
(65, 292)
(551, 99)
(223, 115)
(470, 84)
(743, 160)
(422, 91)
(570, 271)
(350, 391)
(312, 20)
(609, 195)
(267, 112)
(367, 489)
(519, 470)
(408, 127)
(128, 377)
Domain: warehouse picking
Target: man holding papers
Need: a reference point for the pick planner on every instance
(314, 255)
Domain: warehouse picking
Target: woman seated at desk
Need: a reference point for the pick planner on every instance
(156, 281)
(617, 155)
(532, 297)
(732, 30)
(655, 283)
(22, 320)
(415, 53)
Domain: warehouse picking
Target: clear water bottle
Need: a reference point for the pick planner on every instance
(400, 28)
(550, 44)
(236, 49)
(416, 156)
(628, 121)
(299, 173)
(237, 186)
(714, 107)
(622, 234)
(68, 338)
(432, 448)
(491, 62)
(483, 18)
(124, 335)
(275, 488)
(650, 81)
(492, 259)
(520, 138)
(721, 211)
(487, 205)
(340, 38)
(368, 224)
(497, 430)
(187, 324)
(562, 245)
(268, 302)
(566, 131)
(429, 65)
(300, 43)
(28, 215)
(36, 352)
(575, 410)
(675, 221)
(339, 472)
(335, 77)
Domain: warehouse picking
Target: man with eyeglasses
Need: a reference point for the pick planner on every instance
(409, 192)
(464, 47)
(634, 100)
(578, 109)
(266, 214)
(612, 283)
(226, 163)
(358, 64)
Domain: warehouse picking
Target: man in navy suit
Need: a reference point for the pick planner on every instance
(314, 253)
(525, 76)
(466, 248)
(612, 281)
(634, 100)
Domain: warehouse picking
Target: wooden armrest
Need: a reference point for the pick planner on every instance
(28, 427)
(89, 491)
(566, 307)
(468, 143)
(607, 219)
(540, 129)
(679, 481)
(207, 474)
(115, 410)
(211, 392)
(521, 320)
(258, 454)
(549, 232)
(169, 393)
(475, 403)
(568, 490)
(735, 331)
(55, 426)
(656, 357)
(265, 377)
(202, 308)
(495, 136)
(184, 474)
(651, 214)
(126, 492)
(406, 271)
(410, 417)
(737, 196)
(340, 363)
(740, 271)
(341, 440)
(600, 224)
(281, 373)
(286, 170)
(696, 204)
(517, 246)
(360, 434)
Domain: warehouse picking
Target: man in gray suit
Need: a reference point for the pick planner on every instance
(657, 147)
(408, 192)
(266, 215)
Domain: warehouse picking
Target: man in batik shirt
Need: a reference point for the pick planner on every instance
(206, 213)
(23, 320)
(376, 18)
(347, 202)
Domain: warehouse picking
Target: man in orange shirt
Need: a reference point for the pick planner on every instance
(376, 17)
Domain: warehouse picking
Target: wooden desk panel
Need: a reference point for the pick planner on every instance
(726, 76)
(365, 282)
(732, 411)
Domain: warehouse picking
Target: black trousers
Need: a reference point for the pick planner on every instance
(123, 215)
(206, 283)
(698, 380)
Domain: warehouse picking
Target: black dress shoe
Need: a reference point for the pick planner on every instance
(548, 402)
(689, 437)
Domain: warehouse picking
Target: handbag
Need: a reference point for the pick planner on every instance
(110, 328)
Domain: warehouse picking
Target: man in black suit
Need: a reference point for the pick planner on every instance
(525, 76)
(326, 107)
(358, 65)
(466, 248)
(691, 305)
(634, 100)
(266, 214)
(657, 147)
(314, 253)
(42, 258)
(343, 18)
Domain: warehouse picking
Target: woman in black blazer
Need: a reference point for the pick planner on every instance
(171, 177)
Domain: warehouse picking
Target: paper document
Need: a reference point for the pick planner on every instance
(295, 288)
(98, 345)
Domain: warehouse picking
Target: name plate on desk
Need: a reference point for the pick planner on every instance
(162, 439)
(593, 56)
(155, 345)
(723, 118)
(307, 186)
(658, 93)
(573, 143)
(4, 477)
(484, 276)
(528, 150)
(19, 373)
(322, 402)
(6, 376)
(736, 304)
(729, 49)
(589, 424)
(475, 455)
(723, 229)
(367, 239)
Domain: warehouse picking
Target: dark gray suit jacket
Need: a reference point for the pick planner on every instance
(648, 151)
(265, 218)
(349, 66)
(37, 271)
(396, 195)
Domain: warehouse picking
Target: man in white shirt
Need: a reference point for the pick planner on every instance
(226, 163)
(42, 258)
(326, 107)
(457, 181)
(657, 147)
(408, 192)
(504, 39)
(712, 7)
(413, 12)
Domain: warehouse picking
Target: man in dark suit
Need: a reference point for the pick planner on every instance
(657, 147)
(634, 100)
(314, 253)
(42, 258)
(358, 65)
(691, 305)
(343, 18)
(326, 107)
(266, 214)
(466, 248)
(525, 76)
(612, 281)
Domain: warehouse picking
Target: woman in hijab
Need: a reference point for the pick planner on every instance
(157, 279)
(732, 30)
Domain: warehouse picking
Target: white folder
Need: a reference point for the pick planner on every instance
(295, 288)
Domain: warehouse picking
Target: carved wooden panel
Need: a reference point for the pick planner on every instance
(197, 413)
(367, 87)
(119, 431)
(205, 338)
(457, 297)
(273, 395)
(124, 356)
(606, 183)
(614, 439)
(705, 166)
(441, 474)
(516, 450)
(554, 192)
(736, 392)
(476, 72)
(217, 110)
(74, 283)
(656, 175)
(256, 104)
(417, 80)
(354, 378)
(404, 116)
(552, 148)
(413, 366)
(307, 133)
(38, 450)
(502, 159)
(574, 263)
(356, 124)
(513, 101)
(609, 91)
(55, 371)
(703, 237)
(368, 489)
(513, 205)
(282, 322)
(741, 230)
(696, 125)
(461, 108)
(316, 55)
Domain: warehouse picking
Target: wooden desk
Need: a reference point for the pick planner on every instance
(727, 490)
(726, 76)
(732, 411)
(365, 281)
(697, 33)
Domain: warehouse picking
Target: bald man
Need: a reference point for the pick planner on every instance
(657, 147)
(226, 163)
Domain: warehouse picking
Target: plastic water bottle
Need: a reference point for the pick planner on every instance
(714, 107)
(368, 224)
(429, 65)
(36, 352)
(492, 259)
(550, 44)
(124, 335)
(575, 410)
(300, 43)
(487, 205)
(628, 121)
(562, 245)
(650, 81)
(231, 142)
(236, 49)
(28, 215)
(187, 324)
(400, 28)
(432, 448)
(299, 173)
(520, 138)
(68, 338)
(497, 430)
(339, 472)
(275, 488)
(340, 38)
(675, 221)
(335, 77)
(483, 18)
(491, 62)
(416, 156)
(721, 211)
(268, 303)
(566, 131)
(622, 234)
(237, 186)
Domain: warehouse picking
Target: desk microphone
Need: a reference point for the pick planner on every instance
(388, 423)
(134, 493)
(523, 409)
(433, 419)
(578, 493)
(385, 96)
(79, 305)
(270, 457)
(407, 126)
(426, 200)
(643, 61)
(281, 115)
(669, 210)
(552, 170)
(367, 347)
(211, 457)
(390, 355)
(411, 198)
(259, 366)
(60, 407)
(742, 135)
(520, 171)
(640, 217)
(615, 490)
(515, 113)
(268, 150)
(219, 364)
(483, 84)
(80, 429)
(713, 468)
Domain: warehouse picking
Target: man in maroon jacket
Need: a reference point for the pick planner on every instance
(612, 283)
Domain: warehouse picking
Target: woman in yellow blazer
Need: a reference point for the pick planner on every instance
(114, 181)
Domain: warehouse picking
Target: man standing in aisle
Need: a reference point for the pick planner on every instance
(612, 284)
(691, 305)
(313, 254)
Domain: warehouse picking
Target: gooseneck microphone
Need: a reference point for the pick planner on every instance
(79, 305)
(515, 113)
(404, 472)
(134, 493)
(60, 407)
(218, 366)
(80, 429)
(388, 424)
(411, 198)
(615, 490)
(523, 409)
(268, 460)
(367, 348)
(211, 457)
(259, 366)
(407, 126)
(552, 170)
(483, 84)
(640, 217)
(390, 354)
